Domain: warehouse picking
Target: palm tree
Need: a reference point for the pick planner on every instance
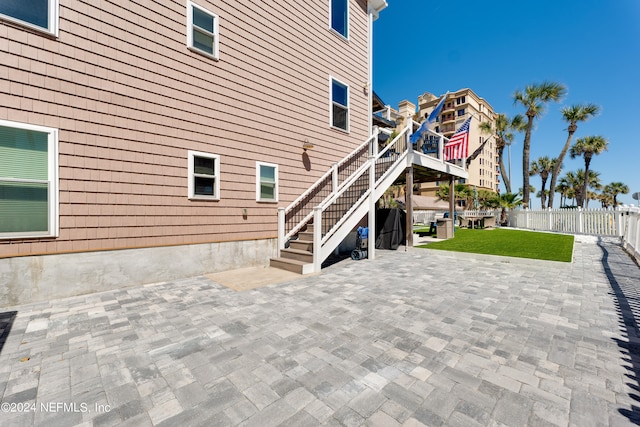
(587, 147)
(616, 188)
(573, 115)
(543, 167)
(568, 183)
(507, 201)
(533, 99)
(460, 192)
(606, 198)
(502, 130)
(564, 189)
(576, 182)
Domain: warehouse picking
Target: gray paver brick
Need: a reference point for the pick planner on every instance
(402, 340)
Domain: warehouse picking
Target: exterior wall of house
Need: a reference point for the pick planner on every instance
(129, 100)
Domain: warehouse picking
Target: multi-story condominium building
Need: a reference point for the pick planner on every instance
(145, 141)
(484, 170)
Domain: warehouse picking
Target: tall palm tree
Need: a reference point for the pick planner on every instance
(587, 147)
(502, 130)
(543, 167)
(573, 115)
(616, 188)
(534, 98)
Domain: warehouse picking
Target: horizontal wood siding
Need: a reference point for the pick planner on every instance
(130, 100)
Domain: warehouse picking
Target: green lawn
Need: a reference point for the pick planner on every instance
(506, 242)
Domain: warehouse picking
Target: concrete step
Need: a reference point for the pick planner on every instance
(294, 265)
(302, 245)
(298, 254)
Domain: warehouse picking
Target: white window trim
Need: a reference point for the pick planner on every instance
(333, 30)
(331, 80)
(52, 20)
(53, 178)
(191, 185)
(216, 33)
(276, 189)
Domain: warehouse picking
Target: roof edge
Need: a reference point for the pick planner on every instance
(376, 6)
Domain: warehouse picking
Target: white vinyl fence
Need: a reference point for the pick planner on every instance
(619, 222)
(631, 233)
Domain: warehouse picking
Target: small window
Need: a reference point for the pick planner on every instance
(339, 105)
(28, 181)
(266, 182)
(204, 176)
(202, 30)
(39, 14)
(461, 112)
(340, 17)
(461, 100)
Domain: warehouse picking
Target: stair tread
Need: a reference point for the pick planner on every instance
(297, 251)
(290, 261)
(301, 241)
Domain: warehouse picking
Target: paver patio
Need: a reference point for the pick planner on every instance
(416, 337)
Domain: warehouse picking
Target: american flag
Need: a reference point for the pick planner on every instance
(458, 145)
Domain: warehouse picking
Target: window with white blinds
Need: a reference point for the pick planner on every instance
(28, 181)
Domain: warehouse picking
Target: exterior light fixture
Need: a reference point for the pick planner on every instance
(307, 145)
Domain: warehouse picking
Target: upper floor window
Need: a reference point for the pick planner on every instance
(461, 100)
(340, 17)
(339, 105)
(39, 14)
(202, 30)
(204, 176)
(266, 182)
(461, 112)
(28, 181)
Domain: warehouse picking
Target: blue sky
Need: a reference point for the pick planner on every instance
(498, 47)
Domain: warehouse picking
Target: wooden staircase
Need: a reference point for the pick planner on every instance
(344, 195)
(298, 257)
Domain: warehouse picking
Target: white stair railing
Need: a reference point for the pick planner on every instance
(292, 218)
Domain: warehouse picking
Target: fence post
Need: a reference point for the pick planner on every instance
(281, 231)
(618, 216)
(550, 219)
(580, 219)
(317, 239)
(526, 219)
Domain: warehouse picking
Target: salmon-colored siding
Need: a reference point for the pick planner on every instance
(130, 100)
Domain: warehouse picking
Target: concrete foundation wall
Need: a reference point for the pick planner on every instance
(40, 278)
